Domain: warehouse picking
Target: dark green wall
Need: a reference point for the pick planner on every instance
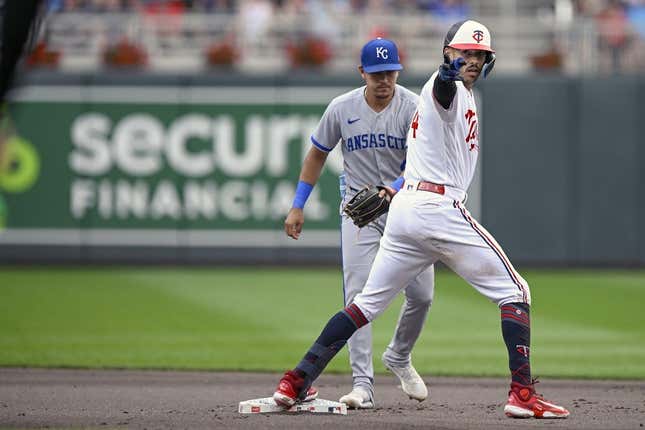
(562, 161)
(563, 169)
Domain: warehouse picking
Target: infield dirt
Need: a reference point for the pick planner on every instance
(62, 398)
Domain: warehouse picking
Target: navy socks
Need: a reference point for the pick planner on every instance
(333, 337)
(516, 330)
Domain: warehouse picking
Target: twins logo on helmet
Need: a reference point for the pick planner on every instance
(461, 36)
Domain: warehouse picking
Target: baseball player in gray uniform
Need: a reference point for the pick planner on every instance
(370, 123)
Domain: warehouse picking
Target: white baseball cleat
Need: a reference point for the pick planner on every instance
(411, 382)
(358, 398)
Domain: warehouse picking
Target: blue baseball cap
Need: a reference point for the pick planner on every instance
(379, 55)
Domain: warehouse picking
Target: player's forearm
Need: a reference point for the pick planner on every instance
(444, 92)
(312, 166)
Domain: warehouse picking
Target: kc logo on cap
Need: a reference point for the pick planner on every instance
(380, 55)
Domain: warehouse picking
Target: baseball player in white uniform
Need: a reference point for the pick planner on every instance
(428, 222)
(370, 123)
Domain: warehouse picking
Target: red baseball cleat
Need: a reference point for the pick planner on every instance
(312, 394)
(523, 402)
(289, 389)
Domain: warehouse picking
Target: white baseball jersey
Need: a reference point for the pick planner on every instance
(445, 149)
(424, 227)
(373, 143)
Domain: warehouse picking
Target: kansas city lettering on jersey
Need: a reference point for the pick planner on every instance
(371, 140)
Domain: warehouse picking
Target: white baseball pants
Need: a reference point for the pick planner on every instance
(359, 247)
(425, 227)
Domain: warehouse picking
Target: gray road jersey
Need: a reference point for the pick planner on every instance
(373, 144)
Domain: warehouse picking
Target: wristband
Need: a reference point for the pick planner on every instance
(302, 194)
(398, 183)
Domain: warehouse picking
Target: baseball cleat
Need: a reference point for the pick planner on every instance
(411, 382)
(312, 394)
(289, 389)
(358, 398)
(523, 402)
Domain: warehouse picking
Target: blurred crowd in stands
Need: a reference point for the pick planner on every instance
(621, 30)
(439, 7)
(443, 8)
(619, 24)
(616, 18)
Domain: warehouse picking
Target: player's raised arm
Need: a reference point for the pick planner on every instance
(444, 87)
(309, 174)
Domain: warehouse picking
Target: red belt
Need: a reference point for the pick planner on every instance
(433, 188)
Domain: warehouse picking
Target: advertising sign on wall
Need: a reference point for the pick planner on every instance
(167, 166)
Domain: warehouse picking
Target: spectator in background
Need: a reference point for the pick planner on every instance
(439, 15)
(446, 10)
(160, 7)
(255, 17)
(55, 6)
(323, 22)
(165, 15)
(583, 7)
(92, 5)
(636, 18)
(613, 31)
(450, 10)
(73, 6)
(292, 7)
(109, 6)
(316, 30)
(216, 6)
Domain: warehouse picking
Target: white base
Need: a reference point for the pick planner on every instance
(267, 405)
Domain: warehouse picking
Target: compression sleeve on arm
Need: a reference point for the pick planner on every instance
(444, 92)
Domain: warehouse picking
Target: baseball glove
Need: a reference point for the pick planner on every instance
(367, 205)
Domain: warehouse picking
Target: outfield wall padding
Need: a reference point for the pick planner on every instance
(119, 168)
